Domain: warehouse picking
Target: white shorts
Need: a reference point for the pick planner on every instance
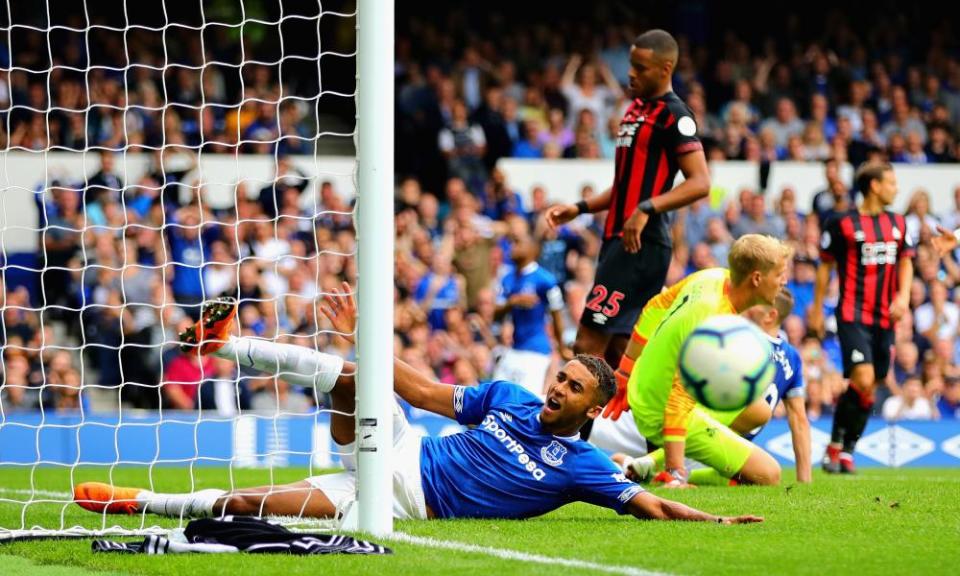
(528, 369)
(408, 500)
(619, 435)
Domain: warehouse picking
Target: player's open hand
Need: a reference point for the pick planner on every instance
(945, 242)
(341, 309)
(561, 214)
(745, 519)
(632, 229)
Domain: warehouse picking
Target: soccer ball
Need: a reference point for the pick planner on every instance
(726, 363)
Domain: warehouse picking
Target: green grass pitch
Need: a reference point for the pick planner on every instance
(879, 522)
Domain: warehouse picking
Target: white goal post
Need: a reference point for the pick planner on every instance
(375, 226)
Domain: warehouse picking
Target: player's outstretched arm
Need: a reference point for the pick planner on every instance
(421, 391)
(647, 506)
(563, 213)
(417, 389)
(800, 433)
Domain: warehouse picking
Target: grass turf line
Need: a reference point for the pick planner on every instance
(883, 521)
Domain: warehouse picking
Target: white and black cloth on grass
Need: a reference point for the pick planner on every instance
(243, 534)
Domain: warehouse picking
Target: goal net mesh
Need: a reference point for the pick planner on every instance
(156, 155)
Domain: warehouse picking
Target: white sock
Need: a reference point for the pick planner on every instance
(190, 505)
(295, 364)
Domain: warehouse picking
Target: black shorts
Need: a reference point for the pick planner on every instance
(861, 344)
(624, 283)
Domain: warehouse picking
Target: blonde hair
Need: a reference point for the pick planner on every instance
(755, 252)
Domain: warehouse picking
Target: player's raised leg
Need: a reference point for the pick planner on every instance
(326, 373)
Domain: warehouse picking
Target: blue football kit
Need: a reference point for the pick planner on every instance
(507, 466)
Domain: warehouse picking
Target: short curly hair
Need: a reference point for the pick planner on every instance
(598, 367)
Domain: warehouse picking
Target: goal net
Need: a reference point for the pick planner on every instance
(157, 155)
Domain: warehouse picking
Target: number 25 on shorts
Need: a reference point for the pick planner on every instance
(599, 295)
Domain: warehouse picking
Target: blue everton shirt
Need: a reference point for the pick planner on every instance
(788, 380)
(188, 259)
(529, 324)
(508, 467)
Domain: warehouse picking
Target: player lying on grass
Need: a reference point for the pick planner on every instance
(664, 412)
(523, 458)
(787, 385)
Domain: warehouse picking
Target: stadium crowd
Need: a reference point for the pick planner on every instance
(185, 89)
(849, 89)
(124, 284)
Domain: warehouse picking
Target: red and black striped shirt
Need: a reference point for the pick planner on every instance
(653, 135)
(867, 250)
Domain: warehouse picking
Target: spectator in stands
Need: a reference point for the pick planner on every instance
(709, 127)
(939, 318)
(61, 246)
(948, 405)
(904, 119)
(835, 198)
(529, 144)
(911, 404)
(920, 222)
(287, 178)
(464, 146)
(815, 146)
(786, 123)
(189, 247)
(755, 218)
(500, 201)
(556, 132)
(104, 186)
(16, 392)
(820, 117)
(472, 254)
(440, 290)
(273, 394)
(853, 109)
(906, 363)
(719, 239)
(767, 141)
(941, 147)
(498, 132)
(182, 375)
(583, 91)
(742, 99)
(802, 283)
